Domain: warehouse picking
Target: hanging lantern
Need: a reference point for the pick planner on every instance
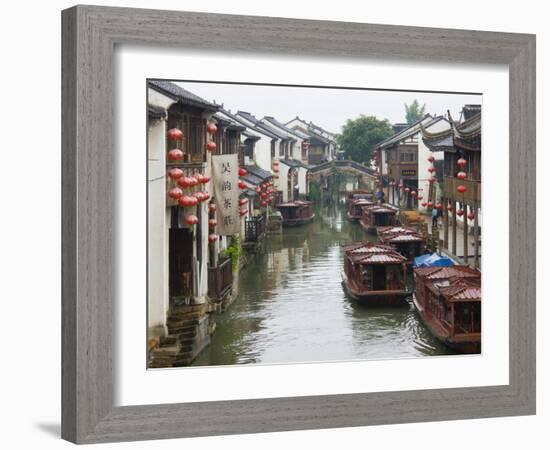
(243, 201)
(175, 154)
(242, 184)
(174, 134)
(211, 128)
(193, 181)
(204, 196)
(431, 169)
(242, 171)
(423, 204)
(205, 179)
(187, 200)
(258, 189)
(471, 215)
(191, 219)
(210, 146)
(242, 211)
(175, 173)
(199, 196)
(212, 223)
(212, 207)
(212, 238)
(439, 206)
(413, 193)
(431, 159)
(430, 204)
(461, 163)
(263, 195)
(461, 189)
(459, 212)
(407, 189)
(461, 175)
(175, 193)
(263, 203)
(420, 197)
(185, 182)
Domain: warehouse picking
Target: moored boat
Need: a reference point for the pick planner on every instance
(355, 208)
(376, 216)
(296, 213)
(375, 274)
(405, 240)
(448, 300)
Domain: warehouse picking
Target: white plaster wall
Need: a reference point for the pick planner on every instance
(302, 180)
(283, 181)
(157, 243)
(262, 153)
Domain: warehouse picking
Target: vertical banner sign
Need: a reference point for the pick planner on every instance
(225, 176)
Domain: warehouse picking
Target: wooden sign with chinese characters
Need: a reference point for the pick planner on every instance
(225, 177)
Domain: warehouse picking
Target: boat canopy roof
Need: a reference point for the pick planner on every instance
(370, 253)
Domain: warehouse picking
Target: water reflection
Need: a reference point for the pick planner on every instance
(291, 306)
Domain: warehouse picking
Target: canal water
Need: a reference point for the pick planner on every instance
(291, 306)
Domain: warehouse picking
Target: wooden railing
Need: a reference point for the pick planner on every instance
(473, 189)
(254, 228)
(220, 279)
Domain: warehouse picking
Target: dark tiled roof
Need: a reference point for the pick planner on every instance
(181, 95)
(259, 172)
(257, 125)
(292, 163)
(410, 131)
(156, 112)
(229, 122)
(284, 128)
(252, 179)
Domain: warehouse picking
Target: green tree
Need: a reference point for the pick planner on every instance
(414, 112)
(359, 136)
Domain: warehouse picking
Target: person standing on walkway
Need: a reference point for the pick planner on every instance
(434, 217)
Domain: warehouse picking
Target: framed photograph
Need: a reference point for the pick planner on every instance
(268, 230)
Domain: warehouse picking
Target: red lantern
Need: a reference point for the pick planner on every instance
(199, 196)
(210, 146)
(430, 204)
(193, 181)
(243, 212)
(191, 219)
(407, 189)
(205, 179)
(185, 182)
(175, 193)
(471, 216)
(439, 206)
(243, 201)
(423, 204)
(420, 197)
(211, 128)
(175, 154)
(431, 169)
(258, 189)
(212, 207)
(242, 171)
(242, 184)
(174, 134)
(431, 158)
(212, 238)
(263, 203)
(461, 175)
(187, 200)
(413, 193)
(212, 223)
(461, 189)
(175, 173)
(459, 212)
(461, 163)
(263, 195)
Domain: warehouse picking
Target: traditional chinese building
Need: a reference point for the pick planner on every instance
(461, 146)
(183, 278)
(322, 143)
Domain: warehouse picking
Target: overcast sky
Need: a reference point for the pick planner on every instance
(328, 108)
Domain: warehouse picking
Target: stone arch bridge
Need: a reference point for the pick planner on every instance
(326, 170)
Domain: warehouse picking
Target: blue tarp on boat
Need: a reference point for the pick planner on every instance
(433, 260)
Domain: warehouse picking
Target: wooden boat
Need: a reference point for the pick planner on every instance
(448, 300)
(405, 240)
(378, 216)
(296, 213)
(375, 274)
(355, 208)
(360, 194)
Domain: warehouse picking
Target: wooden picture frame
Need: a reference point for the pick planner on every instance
(90, 34)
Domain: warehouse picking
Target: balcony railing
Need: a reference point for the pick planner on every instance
(254, 228)
(220, 279)
(473, 189)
